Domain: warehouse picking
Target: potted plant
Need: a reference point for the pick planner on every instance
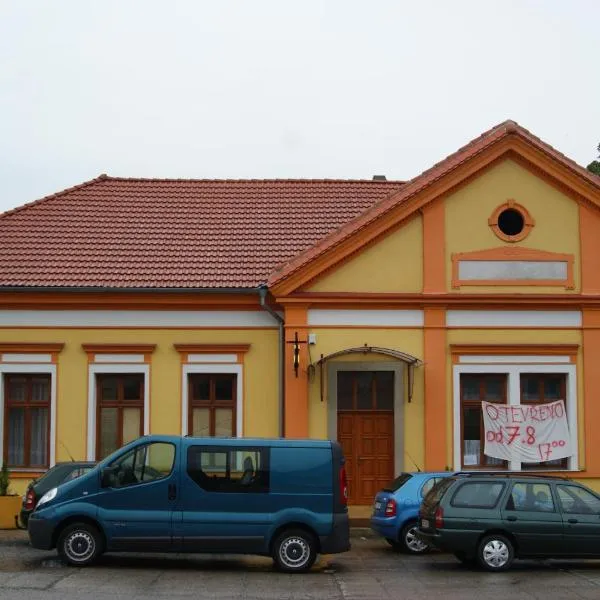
(9, 503)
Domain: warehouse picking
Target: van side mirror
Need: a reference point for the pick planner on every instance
(107, 477)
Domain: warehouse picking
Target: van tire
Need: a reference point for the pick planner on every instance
(80, 544)
(294, 551)
(495, 552)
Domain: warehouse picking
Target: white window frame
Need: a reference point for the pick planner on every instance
(117, 369)
(513, 396)
(45, 369)
(212, 368)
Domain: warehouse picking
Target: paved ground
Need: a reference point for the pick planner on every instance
(370, 571)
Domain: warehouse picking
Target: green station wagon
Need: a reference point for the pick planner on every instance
(494, 518)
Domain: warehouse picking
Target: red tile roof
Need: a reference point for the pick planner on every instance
(166, 233)
(421, 182)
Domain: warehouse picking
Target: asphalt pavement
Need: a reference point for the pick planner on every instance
(370, 571)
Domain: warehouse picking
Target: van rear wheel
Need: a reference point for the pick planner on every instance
(294, 551)
(80, 544)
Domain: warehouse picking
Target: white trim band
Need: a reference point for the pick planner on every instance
(513, 318)
(365, 318)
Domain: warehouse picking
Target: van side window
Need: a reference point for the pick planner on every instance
(144, 463)
(229, 469)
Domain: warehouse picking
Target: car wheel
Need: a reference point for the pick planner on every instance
(294, 551)
(80, 544)
(410, 542)
(495, 553)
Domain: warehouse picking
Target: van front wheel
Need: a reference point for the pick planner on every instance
(294, 551)
(79, 544)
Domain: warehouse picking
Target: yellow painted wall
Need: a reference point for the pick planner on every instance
(516, 336)
(468, 210)
(407, 340)
(393, 264)
(261, 395)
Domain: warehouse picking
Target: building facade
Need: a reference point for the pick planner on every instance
(377, 313)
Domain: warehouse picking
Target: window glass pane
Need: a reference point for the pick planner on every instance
(108, 389)
(224, 388)
(364, 390)
(530, 388)
(477, 495)
(223, 422)
(131, 424)
(553, 389)
(16, 436)
(344, 390)
(108, 431)
(16, 389)
(154, 461)
(200, 387)
(576, 500)
(38, 453)
(471, 436)
(494, 389)
(132, 387)
(40, 389)
(384, 390)
(470, 387)
(201, 422)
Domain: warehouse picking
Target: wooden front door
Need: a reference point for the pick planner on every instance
(366, 431)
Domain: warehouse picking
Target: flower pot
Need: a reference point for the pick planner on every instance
(9, 508)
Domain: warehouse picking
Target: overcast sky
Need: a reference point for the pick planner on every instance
(275, 88)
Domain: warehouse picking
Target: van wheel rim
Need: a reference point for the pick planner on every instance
(495, 554)
(294, 552)
(413, 543)
(80, 546)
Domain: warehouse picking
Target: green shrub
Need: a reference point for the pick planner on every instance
(4, 478)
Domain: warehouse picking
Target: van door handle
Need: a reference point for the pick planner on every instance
(511, 518)
(172, 491)
(573, 521)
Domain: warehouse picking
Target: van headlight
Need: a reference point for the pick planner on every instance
(49, 495)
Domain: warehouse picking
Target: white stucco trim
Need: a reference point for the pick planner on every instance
(513, 318)
(514, 391)
(213, 368)
(378, 318)
(118, 358)
(21, 368)
(27, 358)
(212, 358)
(512, 359)
(93, 370)
(136, 318)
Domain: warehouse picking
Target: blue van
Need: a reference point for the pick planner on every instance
(281, 498)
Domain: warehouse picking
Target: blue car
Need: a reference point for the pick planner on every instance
(396, 510)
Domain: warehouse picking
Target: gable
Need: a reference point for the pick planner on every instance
(391, 264)
(550, 239)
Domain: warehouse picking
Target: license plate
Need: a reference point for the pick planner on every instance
(424, 523)
(377, 505)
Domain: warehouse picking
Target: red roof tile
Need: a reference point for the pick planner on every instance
(169, 233)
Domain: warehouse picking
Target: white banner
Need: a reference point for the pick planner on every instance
(526, 432)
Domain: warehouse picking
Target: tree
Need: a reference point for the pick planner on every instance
(594, 166)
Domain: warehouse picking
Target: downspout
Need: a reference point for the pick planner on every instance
(262, 291)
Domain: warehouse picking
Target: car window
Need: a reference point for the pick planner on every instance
(429, 485)
(397, 483)
(576, 500)
(75, 473)
(536, 497)
(142, 464)
(437, 491)
(475, 494)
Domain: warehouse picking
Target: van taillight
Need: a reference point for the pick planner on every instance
(29, 500)
(343, 486)
(439, 517)
(390, 508)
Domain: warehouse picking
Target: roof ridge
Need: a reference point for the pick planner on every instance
(256, 180)
(27, 205)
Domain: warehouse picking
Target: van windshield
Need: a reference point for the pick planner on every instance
(397, 483)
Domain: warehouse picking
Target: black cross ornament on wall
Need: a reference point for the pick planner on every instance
(296, 354)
